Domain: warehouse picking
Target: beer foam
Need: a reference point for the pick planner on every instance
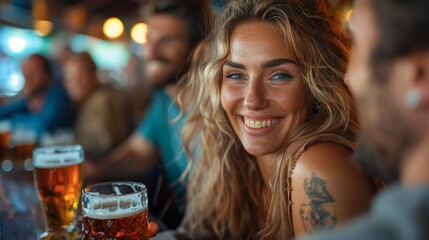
(5, 126)
(57, 159)
(23, 135)
(114, 207)
(106, 213)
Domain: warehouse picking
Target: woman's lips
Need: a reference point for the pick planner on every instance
(259, 126)
(260, 123)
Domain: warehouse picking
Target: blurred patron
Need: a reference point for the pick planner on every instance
(388, 74)
(136, 89)
(43, 104)
(103, 119)
(175, 27)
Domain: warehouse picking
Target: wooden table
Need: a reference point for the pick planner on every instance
(21, 215)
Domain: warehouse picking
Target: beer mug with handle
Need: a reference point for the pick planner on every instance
(58, 175)
(115, 210)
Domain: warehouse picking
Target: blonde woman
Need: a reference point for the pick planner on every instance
(271, 126)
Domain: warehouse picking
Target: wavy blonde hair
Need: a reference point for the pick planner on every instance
(225, 185)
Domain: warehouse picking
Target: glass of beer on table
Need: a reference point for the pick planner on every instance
(21, 144)
(115, 210)
(5, 128)
(58, 175)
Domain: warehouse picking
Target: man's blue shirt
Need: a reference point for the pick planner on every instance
(56, 113)
(161, 128)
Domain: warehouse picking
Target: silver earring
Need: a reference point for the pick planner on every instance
(412, 98)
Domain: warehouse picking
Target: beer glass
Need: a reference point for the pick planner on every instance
(5, 127)
(58, 175)
(115, 210)
(22, 142)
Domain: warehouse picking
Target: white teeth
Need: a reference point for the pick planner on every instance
(260, 124)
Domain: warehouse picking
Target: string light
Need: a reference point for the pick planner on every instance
(113, 28)
(43, 27)
(139, 33)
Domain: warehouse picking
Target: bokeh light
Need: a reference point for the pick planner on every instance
(16, 44)
(113, 27)
(43, 27)
(139, 33)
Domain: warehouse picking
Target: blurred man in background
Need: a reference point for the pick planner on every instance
(45, 105)
(136, 89)
(103, 119)
(389, 77)
(175, 27)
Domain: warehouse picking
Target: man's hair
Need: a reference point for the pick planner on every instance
(403, 28)
(46, 64)
(86, 61)
(196, 13)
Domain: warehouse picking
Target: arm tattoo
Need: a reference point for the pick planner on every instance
(320, 212)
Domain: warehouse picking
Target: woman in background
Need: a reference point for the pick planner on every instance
(273, 124)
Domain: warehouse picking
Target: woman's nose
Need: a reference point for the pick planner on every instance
(255, 96)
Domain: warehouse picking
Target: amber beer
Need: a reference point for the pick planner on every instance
(115, 210)
(4, 139)
(22, 152)
(125, 225)
(5, 128)
(58, 174)
(21, 144)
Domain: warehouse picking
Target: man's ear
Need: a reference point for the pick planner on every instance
(421, 81)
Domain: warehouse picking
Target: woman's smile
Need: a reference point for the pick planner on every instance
(263, 96)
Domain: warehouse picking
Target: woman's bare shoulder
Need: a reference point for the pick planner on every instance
(326, 156)
(326, 178)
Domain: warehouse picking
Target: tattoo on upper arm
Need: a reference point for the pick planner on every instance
(320, 212)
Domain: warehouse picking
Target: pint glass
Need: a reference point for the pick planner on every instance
(5, 128)
(58, 175)
(115, 210)
(21, 144)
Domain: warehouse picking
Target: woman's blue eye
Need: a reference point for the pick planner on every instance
(234, 76)
(282, 76)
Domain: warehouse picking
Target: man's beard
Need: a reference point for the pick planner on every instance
(374, 161)
(158, 82)
(381, 149)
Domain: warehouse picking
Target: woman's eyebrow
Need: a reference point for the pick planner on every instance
(278, 62)
(234, 65)
(268, 64)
